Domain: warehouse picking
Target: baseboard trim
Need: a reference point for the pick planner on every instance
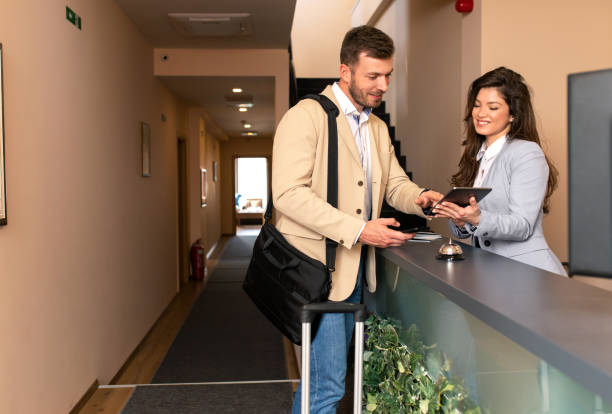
(211, 250)
(81, 403)
(140, 344)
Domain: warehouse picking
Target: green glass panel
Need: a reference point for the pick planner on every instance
(502, 376)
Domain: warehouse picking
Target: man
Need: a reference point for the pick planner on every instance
(368, 171)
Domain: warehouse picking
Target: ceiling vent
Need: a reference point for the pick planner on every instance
(211, 24)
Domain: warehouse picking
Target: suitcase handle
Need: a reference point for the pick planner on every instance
(310, 310)
(308, 313)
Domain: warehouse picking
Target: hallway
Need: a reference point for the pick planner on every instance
(118, 136)
(226, 357)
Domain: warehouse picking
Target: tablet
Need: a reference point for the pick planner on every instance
(461, 195)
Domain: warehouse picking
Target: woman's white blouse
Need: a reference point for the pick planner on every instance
(486, 156)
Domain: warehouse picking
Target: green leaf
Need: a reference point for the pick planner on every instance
(400, 367)
(408, 379)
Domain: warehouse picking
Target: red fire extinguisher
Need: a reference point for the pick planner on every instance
(198, 261)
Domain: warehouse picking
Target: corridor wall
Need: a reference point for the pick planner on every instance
(445, 50)
(316, 36)
(88, 258)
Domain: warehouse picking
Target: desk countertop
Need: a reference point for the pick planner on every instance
(564, 321)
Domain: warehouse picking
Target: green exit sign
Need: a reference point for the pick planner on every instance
(73, 18)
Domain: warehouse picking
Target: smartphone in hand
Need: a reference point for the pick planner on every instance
(412, 230)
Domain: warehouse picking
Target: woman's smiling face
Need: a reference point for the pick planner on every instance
(491, 114)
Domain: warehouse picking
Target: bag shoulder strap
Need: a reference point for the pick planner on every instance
(332, 174)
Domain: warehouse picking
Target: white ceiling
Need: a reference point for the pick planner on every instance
(209, 93)
(271, 26)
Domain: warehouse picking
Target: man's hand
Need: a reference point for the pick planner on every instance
(428, 199)
(376, 233)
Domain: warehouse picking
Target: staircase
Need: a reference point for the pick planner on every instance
(307, 86)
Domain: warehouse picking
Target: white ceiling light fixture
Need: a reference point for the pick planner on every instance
(237, 90)
(211, 24)
(243, 109)
(246, 125)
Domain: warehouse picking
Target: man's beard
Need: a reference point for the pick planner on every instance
(360, 97)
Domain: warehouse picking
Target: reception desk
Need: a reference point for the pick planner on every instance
(522, 340)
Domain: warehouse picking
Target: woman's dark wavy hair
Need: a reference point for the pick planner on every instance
(515, 92)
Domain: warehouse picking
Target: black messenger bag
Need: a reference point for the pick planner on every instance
(281, 279)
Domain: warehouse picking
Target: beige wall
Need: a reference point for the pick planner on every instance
(88, 259)
(316, 36)
(425, 102)
(230, 62)
(424, 97)
(210, 215)
(364, 11)
(393, 23)
(243, 147)
(545, 41)
(204, 222)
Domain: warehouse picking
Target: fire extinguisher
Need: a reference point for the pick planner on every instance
(198, 261)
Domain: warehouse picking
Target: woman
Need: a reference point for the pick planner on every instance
(502, 151)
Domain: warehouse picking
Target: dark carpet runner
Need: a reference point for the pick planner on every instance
(239, 247)
(224, 338)
(211, 399)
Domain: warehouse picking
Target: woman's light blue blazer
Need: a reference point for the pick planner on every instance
(511, 214)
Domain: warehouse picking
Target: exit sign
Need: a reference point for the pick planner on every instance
(73, 18)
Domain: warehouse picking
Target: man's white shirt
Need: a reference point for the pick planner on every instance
(359, 127)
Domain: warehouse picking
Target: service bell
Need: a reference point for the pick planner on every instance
(450, 251)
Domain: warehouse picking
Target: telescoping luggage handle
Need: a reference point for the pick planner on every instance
(309, 312)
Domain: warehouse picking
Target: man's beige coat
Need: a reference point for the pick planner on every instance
(299, 188)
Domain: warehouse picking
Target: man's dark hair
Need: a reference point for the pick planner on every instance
(375, 43)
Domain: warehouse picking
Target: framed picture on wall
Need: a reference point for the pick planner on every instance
(215, 171)
(2, 176)
(145, 149)
(203, 187)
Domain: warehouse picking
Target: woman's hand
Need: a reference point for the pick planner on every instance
(459, 215)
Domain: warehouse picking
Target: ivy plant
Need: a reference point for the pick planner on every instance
(395, 377)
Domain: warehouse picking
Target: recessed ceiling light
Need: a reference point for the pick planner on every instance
(237, 90)
(239, 100)
(248, 133)
(243, 109)
(246, 125)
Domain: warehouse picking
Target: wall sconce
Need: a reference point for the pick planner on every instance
(464, 6)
